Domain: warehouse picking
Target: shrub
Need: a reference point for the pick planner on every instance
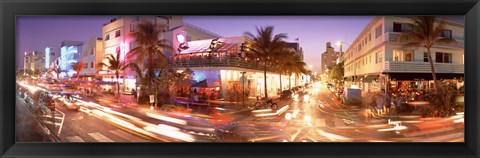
(442, 101)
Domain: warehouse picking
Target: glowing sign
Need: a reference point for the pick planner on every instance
(181, 38)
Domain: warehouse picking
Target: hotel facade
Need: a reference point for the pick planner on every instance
(116, 38)
(376, 60)
(226, 71)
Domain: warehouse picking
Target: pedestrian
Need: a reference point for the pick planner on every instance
(380, 102)
(134, 93)
(388, 103)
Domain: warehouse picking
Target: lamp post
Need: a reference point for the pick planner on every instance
(243, 87)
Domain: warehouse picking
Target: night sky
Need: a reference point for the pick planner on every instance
(38, 32)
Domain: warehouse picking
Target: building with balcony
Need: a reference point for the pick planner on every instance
(92, 54)
(222, 66)
(329, 58)
(116, 38)
(376, 59)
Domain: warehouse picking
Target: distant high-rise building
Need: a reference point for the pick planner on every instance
(297, 48)
(329, 58)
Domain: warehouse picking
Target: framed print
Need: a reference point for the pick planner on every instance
(239, 79)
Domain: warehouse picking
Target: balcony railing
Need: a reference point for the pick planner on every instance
(218, 62)
(392, 37)
(422, 67)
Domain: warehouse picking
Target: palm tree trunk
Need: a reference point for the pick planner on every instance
(433, 68)
(265, 79)
(290, 81)
(280, 75)
(295, 80)
(118, 85)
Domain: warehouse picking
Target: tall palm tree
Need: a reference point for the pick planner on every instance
(425, 33)
(284, 59)
(115, 64)
(150, 48)
(78, 67)
(265, 45)
(294, 66)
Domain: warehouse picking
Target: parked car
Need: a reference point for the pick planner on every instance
(286, 94)
(46, 102)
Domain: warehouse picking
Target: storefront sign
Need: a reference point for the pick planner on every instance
(152, 99)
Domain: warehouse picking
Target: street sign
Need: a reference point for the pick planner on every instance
(243, 79)
(152, 99)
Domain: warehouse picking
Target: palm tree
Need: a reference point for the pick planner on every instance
(78, 67)
(425, 33)
(264, 46)
(150, 48)
(115, 64)
(57, 71)
(284, 59)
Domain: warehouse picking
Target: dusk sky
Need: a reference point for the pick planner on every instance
(38, 32)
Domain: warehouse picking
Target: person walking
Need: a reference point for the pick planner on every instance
(388, 103)
(134, 93)
(380, 102)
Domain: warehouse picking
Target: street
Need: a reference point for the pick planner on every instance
(317, 118)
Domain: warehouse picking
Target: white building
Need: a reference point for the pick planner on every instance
(221, 67)
(92, 54)
(116, 38)
(376, 60)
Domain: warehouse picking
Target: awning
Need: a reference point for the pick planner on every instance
(370, 78)
(423, 76)
(206, 84)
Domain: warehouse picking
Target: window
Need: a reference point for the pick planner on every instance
(92, 51)
(91, 64)
(378, 31)
(117, 33)
(365, 40)
(425, 57)
(133, 27)
(86, 66)
(403, 55)
(378, 57)
(401, 27)
(369, 37)
(107, 37)
(443, 57)
(446, 33)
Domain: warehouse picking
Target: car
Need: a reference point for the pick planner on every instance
(69, 100)
(286, 94)
(46, 102)
(303, 96)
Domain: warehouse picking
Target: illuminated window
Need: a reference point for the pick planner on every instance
(378, 57)
(403, 55)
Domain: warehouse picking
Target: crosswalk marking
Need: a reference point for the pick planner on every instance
(75, 139)
(127, 136)
(99, 137)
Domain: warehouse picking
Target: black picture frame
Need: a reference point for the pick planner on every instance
(9, 9)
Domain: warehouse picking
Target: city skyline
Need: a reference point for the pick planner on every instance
(38, 32)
